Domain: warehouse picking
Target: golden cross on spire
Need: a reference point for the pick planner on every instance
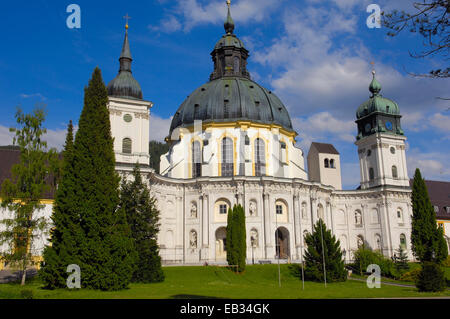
(127, 17)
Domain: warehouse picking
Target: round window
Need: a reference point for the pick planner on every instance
(127, 118)
(393, 150)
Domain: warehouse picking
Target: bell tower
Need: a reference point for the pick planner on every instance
(380, 141)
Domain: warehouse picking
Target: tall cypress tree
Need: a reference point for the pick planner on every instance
(95, 233)
(231, 252)
(63, 236)
(106, 253)
(242, 234)
(322, 243)
(428, 243)
(143, 218)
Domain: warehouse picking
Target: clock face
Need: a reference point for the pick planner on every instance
(389, 126)
(368, 127)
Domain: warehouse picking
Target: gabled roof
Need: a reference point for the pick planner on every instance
(439, 193)
(324, 148)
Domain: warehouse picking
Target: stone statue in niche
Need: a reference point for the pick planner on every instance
(254, 238)
(193, 239)
(193, 210)
(358, 218)
(252, 208)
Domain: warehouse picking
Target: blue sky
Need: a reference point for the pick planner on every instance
(315, 55)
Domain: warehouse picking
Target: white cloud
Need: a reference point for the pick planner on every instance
(433, 165)
(323, 127)
(441, 122)
(159, 127)
(35, 95)
(54, 138)
(191, 13)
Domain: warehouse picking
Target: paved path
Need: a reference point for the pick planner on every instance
(7, 276)
(387, 283)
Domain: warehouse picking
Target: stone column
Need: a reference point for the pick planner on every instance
(205, 220)
(267, 230)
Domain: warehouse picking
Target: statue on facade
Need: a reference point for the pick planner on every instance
(193, 210)
(252, 208)
(193, 239)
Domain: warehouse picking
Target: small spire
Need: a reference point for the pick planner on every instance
(125, 56)
(375, 86)
(229, 23)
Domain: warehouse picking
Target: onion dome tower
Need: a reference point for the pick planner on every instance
(380, 141)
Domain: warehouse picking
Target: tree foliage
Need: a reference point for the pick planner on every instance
(156, 150)
(22, 194)
(431, 20)
(321, 243)
(428, 242)
(236, 238)
(431, 278)
(94, 233)
(143, 218)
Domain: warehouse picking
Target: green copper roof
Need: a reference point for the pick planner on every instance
(377, 103)
(229, 41)
(230, 99)
(124, 84)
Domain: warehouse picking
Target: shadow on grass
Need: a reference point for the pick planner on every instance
(193, 297)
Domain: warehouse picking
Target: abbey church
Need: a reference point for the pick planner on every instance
(232, 142)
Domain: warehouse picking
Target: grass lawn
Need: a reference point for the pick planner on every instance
(258, 282)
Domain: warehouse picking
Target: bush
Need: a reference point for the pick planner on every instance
(365, 257)
(412, 275)
(26, 294)
(431, 278)
(447, 262)
(296, 270)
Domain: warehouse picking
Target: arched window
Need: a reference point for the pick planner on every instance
(126, 145)
(260, 157)
(394, 172)
(196, 159)
(332, 163)
(327, 163)
(371, 174)
(400, 215)
(227, 157)
(378, 242)
(403, 241)
(236, 65)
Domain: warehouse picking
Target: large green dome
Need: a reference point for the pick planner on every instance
(230, 99)
(231, 95)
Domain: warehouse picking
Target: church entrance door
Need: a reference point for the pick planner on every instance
(282, 243)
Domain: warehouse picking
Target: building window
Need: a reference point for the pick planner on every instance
(236, 65)
(369, 152)
(332, 163)
(227, 157)
(279, 209)
(393, 150)
(447, 209)
(126, 146)
(223, 209)
(196, 159)
(260, 157)
(371, 174)
(436, 209)
(394, 172)
(247, 140)
(327, 163)
(403, 241)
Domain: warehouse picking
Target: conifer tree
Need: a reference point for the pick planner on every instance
(100, 243)
(236, 238)
(314, 261)
(143, 218)
(428, 243)
(62, 250)
(401, 260)
(231, 252)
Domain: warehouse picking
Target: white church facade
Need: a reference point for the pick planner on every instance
(232, 142)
